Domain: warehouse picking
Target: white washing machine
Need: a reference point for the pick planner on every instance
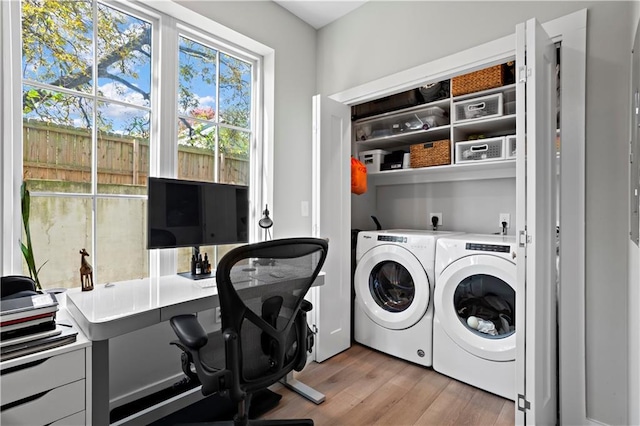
(476, 276)
(393, 283)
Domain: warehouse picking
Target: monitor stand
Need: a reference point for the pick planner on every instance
(197, 277)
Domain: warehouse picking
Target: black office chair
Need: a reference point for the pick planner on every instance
(15, 286)
(264, 333)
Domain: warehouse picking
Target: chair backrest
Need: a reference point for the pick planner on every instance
(14, 286)
(261, 288)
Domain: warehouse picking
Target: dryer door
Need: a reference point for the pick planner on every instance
(392, 287)
(482, 286)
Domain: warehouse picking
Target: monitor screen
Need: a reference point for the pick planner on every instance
(182, 213)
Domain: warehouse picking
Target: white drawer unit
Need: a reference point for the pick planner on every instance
(490, 149)
(46, 407)
(478, 108)
(39, 376)
(77, 419)
(49, 386)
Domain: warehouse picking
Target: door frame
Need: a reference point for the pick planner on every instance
(571, 31)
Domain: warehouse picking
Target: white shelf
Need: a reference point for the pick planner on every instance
(449, 173)
(503, 122)
(442, 103)
(500, 89)
(408, 138)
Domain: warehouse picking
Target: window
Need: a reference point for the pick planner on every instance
(214, 120)
(91, 121)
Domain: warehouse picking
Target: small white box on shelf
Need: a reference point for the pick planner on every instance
(372, 159)
(490, 149)
(478, 108)
(510, 146)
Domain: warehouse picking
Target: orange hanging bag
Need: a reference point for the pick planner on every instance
(358, 177)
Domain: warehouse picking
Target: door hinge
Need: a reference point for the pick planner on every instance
(523, 404)
(314, 329)
(523, 238)
(523, 73)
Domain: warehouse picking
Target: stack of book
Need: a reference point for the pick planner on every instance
(28, 325)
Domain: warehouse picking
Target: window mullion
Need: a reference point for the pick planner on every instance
(216, 156)
(94, 146)
(164, 142)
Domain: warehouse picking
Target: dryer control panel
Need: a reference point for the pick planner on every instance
(392, 239)
(488, 247)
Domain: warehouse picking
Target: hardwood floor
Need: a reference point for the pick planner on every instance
(366, 387)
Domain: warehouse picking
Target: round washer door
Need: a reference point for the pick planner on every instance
(467, 281)
(392, 287)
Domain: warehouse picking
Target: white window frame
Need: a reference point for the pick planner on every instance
(163, 161)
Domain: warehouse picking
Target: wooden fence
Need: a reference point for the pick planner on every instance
(62, 153)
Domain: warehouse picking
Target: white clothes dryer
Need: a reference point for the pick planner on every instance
(476, 276)
(394, 283)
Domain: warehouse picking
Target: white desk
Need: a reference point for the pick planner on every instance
(113, 310)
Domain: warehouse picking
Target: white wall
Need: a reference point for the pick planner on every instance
(382, 38)
(408, 206)
(634, 273)
(1, 150)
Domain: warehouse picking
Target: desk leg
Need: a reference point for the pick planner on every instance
(302, 389)
(100, 383)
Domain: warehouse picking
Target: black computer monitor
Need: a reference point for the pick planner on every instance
(182, 213)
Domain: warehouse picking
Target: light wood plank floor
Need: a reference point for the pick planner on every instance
(366, 387)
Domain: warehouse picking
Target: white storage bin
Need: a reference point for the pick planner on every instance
(510, 146)
(477, 108)
(373, 159)
(490, 149)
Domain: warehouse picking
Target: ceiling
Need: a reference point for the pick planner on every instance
(320, 13)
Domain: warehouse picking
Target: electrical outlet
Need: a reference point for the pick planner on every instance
(505, 217)
(438, 215)
(218, 317)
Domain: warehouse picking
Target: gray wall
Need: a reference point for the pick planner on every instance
(465, 206)
(634, 276)
(382, 38)
(295, 73)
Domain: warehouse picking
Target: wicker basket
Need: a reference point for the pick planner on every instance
(487, 78)
(436, 153)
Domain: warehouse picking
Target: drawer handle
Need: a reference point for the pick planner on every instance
(479, 148)
(24, 400)
(475, 107)
(23, 366)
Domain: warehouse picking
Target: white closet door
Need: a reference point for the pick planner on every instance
(536, 374)
(331, 218)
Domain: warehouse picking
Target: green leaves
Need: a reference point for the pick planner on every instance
(27, 250)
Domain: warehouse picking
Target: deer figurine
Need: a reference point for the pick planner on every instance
(86, 272)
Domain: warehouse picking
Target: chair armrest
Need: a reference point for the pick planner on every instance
(189, 331)
(306, 306)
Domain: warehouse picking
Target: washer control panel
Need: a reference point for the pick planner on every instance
(488, 247)
(393, 239)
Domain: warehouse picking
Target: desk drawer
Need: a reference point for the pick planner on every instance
(47, 407)
(78, 419)
(33, 378)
